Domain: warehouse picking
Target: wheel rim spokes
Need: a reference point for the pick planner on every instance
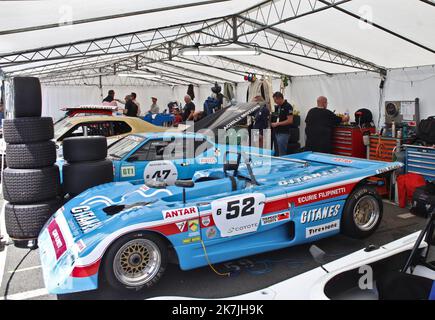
(137, 262)
(366, 213)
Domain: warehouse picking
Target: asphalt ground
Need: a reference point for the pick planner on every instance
(22, 275)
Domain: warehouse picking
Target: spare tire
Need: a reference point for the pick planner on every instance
(77, 177)
(28, 130)
(27, 97)
(32, 155)
(22, 186)
(26, 221)
(76, 149)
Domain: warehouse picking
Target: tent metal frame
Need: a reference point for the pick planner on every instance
(157, 49)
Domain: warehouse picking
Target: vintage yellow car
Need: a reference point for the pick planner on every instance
(112, 127)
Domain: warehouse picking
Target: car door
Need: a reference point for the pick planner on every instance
(120, 153)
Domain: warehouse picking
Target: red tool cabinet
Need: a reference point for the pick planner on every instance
(348, 141)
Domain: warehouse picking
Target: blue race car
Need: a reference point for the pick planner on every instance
(160, 119)
(124, 233)
(139, 158)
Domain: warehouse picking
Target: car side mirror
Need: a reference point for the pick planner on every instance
(156, 184)
(184, 183)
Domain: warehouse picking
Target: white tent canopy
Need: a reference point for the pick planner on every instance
(338, 48)
(68, 42)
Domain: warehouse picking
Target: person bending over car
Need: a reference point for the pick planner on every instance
(320, 123)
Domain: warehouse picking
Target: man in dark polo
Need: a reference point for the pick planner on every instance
(282, 118)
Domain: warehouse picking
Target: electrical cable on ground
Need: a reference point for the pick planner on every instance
(227, 274)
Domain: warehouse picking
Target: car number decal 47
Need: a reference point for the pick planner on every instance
(238, 215)
(164, 169)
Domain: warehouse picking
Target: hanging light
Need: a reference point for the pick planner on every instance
(213, 51)
(140, 75)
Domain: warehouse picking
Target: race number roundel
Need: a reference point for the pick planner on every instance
(239, 214)
(164, 169)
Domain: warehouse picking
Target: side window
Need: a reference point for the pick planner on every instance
(120, 127)
(104, 128)
(76, 131)
(160, 150)
(157, 150)
(202, 146)
(90, 129)
(176, 149)
(151, 151)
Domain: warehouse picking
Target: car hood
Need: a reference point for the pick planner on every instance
(225, 118)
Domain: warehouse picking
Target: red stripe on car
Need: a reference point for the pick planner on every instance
(86, 271)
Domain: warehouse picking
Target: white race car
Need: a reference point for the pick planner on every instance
(398, 270)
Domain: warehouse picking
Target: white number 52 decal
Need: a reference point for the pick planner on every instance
(238, 215)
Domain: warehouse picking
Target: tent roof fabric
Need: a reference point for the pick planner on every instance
(64, 40)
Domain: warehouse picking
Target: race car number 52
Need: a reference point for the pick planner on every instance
(234, 208)
(238, 215)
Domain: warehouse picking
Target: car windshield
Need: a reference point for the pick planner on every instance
(61, 127)
(120, 148)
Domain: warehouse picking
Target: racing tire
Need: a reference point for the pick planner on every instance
(362, 213)
(26, 221)
(22, 186)
(76, 149)
(126, 253)
(28, 130)
(32, 155)
(78, 177)
(27, 97)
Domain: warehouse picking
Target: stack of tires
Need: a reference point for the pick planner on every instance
(293, 143)
(85, 164)
(31, 182)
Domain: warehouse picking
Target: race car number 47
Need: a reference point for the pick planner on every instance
(238, 215)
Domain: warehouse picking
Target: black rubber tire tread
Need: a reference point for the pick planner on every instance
(80, 176)
(77, 149)
(348, 226)
(26, 221)
(31, 155)
(28, 130)
(22, 186)
(107, 265)
(27, 97)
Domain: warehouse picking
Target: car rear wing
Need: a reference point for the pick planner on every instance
(350, 162)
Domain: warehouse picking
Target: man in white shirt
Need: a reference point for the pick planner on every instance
(154, 107)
